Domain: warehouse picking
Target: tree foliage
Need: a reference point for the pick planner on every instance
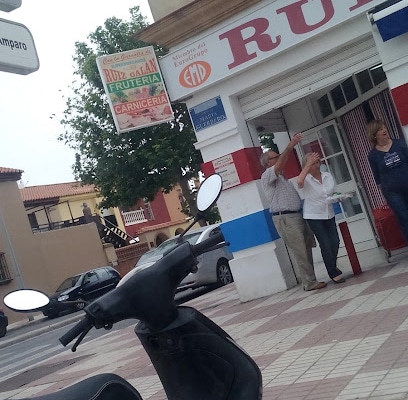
(133, 165)
(267, 142)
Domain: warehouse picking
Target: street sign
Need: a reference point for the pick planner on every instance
(9, 5)
(17, 49)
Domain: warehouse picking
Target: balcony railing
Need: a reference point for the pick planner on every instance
(134, 217)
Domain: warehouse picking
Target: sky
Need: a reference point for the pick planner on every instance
(28, 134)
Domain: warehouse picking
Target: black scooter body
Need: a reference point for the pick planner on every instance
(196, 359)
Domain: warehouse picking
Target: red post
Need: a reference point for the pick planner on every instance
(351, 251)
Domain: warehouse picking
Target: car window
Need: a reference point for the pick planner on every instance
(112, 273)
(172, 243)
(68, 283)
(91, 277)
(144, 257)
(104, 274)
(215, 231)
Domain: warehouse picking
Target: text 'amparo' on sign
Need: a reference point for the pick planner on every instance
(18, 54)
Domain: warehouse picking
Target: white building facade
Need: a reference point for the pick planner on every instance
(322, 67)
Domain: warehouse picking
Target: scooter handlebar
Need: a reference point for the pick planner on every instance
(82, 326)
(136, 299)
(207, 244)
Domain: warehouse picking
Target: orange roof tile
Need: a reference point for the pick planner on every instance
(10, 174)
(4, 170)
(55, 191)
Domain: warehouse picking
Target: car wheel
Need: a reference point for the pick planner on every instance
(3, 331)
(80, 305)
(224, 275)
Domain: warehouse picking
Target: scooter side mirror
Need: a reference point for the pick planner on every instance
(26, 300)
(209, 192)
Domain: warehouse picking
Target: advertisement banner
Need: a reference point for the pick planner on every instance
(135, 89)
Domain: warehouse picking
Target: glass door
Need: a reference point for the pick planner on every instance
(326, 141)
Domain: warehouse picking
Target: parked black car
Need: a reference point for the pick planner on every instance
(75, 291)
(3, 323)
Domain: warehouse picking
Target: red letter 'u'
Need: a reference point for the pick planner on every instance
(297, 20)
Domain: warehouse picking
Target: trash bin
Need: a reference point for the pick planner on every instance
(388, 229)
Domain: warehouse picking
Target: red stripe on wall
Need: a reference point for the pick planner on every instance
(400, 96)
(246, 162)
(248, 166)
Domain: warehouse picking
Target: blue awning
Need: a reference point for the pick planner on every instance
(392, 21)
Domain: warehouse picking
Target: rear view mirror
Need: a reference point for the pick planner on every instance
(26, 300)
(209, 192)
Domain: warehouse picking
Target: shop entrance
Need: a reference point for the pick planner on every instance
(326, 141)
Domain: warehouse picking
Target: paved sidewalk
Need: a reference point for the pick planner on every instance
(347, 341)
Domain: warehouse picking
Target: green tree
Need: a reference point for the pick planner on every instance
(133, 165)
(267, 142)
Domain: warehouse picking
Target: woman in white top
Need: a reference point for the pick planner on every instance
(318, 211)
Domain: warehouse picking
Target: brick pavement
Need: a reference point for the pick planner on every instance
(347, 341)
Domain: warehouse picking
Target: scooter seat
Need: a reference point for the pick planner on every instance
(98, 387)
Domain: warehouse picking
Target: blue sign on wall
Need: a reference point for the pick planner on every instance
(206, 114)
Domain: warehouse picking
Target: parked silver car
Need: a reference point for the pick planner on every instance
(213, 266)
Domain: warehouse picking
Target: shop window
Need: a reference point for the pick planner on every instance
(4, 271)
(329, 141)
(338, 167)
(337, 95)
(378, 74)
(325, 106)
(351, 206)
(364, 81)
(349, 89)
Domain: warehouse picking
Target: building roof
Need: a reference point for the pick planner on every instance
(181, 24)
(10, 174)
(55, 191)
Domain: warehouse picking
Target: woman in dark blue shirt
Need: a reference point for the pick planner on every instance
(389, 162)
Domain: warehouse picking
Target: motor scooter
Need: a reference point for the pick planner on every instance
(194, 358)
(3, 323)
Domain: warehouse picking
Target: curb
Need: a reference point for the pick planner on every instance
(5, 341)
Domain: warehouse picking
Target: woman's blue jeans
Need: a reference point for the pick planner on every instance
(326, 234)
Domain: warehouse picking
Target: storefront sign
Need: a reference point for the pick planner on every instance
(226, 168)
(17, 49)
(393, 20)
(206, 114)
(135, 89)
(264, 33)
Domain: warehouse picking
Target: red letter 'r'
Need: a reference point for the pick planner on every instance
(238, 43)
